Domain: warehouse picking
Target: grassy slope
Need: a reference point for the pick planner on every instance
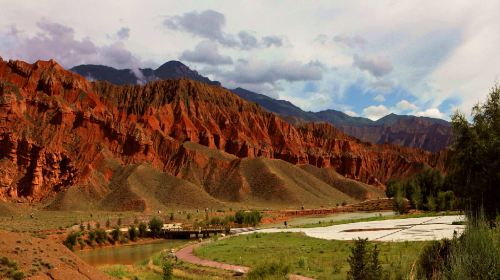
(223, 181)
(317, 258)
(278, 183)
(355, 189)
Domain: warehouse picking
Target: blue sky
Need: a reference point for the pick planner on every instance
(369, 59)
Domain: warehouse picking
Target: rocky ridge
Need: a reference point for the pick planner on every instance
(58, 130)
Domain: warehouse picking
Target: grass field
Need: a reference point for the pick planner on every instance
(317, 258)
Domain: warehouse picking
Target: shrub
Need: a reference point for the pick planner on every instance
(142, 229)
(475, 254)
(168, 269)
(155, 226)
(133, 233)
(248, 218)
(100, 236)
(71, 240)
(116, 234)
(273, 270)
(432, 259)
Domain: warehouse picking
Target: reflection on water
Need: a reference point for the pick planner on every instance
(129, 254)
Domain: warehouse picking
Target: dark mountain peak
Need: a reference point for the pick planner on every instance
(177, 70)
(170, 70)
(173, 65)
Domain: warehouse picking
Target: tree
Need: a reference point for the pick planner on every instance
(357, 261)
(155, 226)
(133, 233)
(142, 229)
(116, 234)
(475, 156)
(364, 262)
(374, 267)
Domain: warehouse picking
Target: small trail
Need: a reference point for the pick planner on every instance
(186, 254)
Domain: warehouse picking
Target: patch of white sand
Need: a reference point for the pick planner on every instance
(412, 229)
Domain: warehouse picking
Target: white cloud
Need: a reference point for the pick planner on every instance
(351, 113)
(406, 106)
(377, 65)
(379, 98)
(412, 34)
(431, 112)
(376, 112)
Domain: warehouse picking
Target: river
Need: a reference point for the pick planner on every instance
(128, 254)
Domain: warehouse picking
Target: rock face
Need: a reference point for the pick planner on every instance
(426, 133)
(57, 130)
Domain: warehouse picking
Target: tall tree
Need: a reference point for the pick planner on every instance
(475, 158)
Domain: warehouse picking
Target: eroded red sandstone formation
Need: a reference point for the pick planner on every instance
(56, 128)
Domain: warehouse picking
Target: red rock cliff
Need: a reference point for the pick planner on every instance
(55, 128)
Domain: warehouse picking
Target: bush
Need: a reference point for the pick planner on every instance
(248, 218)
(116, 234)
(155, 226)
(142, 229)
(432, 259)
(100, 236)
(168, 270)
(71, 240)
(133, 233)
(475, 254)
(273, 270)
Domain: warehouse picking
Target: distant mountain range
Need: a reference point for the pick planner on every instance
(430, 134)
(169, 71)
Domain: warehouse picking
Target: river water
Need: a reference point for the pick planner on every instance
(128, 254)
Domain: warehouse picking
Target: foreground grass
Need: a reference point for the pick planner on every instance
(376, 218)
(317, 258)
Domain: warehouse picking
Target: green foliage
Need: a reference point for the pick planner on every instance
(133, 233)
(142, 229)
(271, 270)
(432, 259)
(9, 269)
(427, 190)
(155, 226)
(71, 240)
(473, 255)
(475, 156)
(364, 263)
(248, 218)
(116, 234)
(100, 236)
(168, 270)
